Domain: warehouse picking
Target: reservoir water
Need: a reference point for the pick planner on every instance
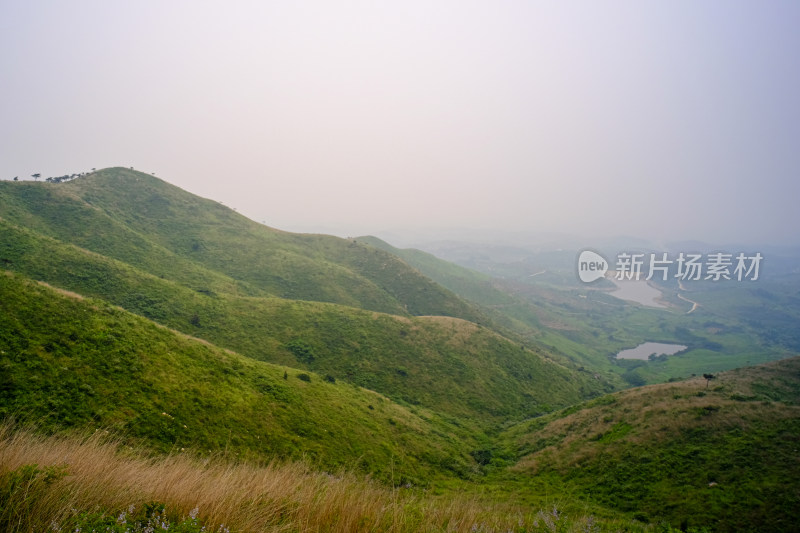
(645, 350)
(638, 291)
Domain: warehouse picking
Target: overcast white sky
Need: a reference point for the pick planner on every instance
(671, 119)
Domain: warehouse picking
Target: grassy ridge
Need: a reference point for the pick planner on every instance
(68, 362)
(161, 229)
(305, 267)
(449, 365)
(50, 211)
(723, 457)
(515, 312)
(500, 303)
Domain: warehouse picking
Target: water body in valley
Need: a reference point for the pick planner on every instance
(639, 291)
(645, 350)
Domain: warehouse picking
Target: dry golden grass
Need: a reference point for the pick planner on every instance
(65, 292)
(103, 476)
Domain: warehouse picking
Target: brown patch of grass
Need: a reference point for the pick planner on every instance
(67, 293)
(104, 476)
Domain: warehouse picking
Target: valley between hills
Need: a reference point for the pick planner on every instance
(164, 359)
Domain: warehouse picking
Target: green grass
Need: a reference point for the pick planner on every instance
(72, 363)
(305, 267)
(448, 365)
(722, 457)
(200, 333)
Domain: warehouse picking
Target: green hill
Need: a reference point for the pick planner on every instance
(447, 364)
(122, 236)
(69, 362)
(721, 454)
(566, 330)
(159, 228)
(130, 305)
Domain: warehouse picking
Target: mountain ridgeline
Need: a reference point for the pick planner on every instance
(163, 230)
(130, 305)
(320, 303)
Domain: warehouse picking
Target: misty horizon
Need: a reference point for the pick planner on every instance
(665, 122)
(417, 236)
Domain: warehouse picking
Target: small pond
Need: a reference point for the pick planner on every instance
(638, 291)
(645, 350)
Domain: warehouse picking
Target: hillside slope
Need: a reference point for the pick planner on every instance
(447, 364)
(69, 362)
(155, 226)
(724, 457)
(109, 236)
(469, 284)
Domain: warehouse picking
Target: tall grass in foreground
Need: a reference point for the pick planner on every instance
(54, 483)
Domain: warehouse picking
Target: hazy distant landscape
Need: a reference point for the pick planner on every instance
(405, 267)
(173, 325)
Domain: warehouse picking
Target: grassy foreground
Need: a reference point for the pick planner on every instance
(95, 483)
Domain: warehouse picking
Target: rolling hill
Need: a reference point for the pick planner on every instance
(147, 223)
(70, 362)
(200, 268)
(720, 454)
(188, 331)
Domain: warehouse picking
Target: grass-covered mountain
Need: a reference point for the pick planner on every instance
(314, 302)
(720, 454)
(161, 229)
(70, 362)
(129, 305)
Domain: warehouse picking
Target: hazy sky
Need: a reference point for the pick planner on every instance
(670, 119)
